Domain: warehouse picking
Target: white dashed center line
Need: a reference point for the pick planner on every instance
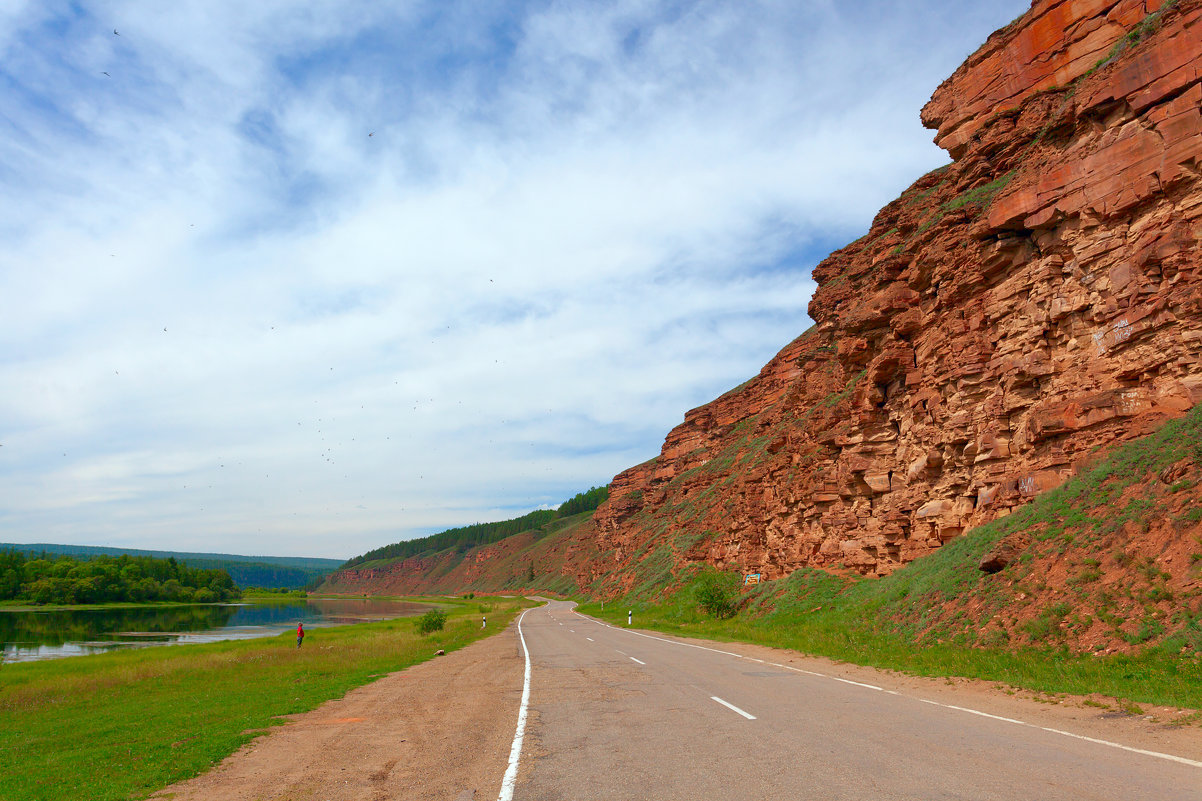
(732, 707)
(641, 662)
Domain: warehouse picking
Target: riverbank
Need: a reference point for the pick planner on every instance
(124, 724)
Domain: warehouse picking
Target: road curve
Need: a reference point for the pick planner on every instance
(621, 714)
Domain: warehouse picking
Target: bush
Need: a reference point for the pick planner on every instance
(717, 593)
(432, 621)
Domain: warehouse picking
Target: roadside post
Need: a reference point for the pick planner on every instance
(483, 621)
(629, 617)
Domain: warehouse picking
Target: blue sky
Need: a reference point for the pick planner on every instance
(306, 278)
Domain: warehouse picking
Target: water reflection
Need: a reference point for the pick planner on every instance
(53, 634)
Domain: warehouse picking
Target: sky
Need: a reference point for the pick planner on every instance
(308, 278)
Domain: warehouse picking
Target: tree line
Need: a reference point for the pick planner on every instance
(46, 579)
(584, 501)
(263, 571)
(473, 536)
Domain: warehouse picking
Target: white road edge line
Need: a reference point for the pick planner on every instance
(731, 706)
(1094, 740)
(590, 639)
(675, 642)
(632, 659)
(515, 753)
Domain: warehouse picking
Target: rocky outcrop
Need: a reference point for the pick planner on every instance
(1037, 300)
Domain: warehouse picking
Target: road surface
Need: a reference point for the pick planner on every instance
(621, 714)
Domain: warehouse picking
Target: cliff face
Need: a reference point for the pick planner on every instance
(1036, 300)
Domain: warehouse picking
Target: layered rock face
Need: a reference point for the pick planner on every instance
(1038, 299)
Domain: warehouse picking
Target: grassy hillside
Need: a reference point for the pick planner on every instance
(246, 571)
(464, 538)
(1109, 562)
(543, 558)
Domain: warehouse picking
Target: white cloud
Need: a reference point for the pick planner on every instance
(570, 224)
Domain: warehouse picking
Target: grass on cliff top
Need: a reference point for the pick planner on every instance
(900, 622)
(123, 725)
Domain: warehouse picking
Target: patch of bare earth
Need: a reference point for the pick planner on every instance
(438, 730)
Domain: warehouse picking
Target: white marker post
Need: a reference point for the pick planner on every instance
(629, 617)
(484, 621)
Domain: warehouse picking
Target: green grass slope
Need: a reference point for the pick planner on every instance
(543, 557)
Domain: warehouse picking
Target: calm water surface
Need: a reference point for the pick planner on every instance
(31, 635)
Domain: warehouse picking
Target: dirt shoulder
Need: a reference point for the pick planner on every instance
(438, 730)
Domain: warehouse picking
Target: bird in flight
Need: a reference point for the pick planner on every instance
(105, 73)
(115, 32)
(373, 133)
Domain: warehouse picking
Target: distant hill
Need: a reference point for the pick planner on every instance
(507, 554)
(479, 534)
(246, 571)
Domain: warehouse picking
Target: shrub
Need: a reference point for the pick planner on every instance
(432, 621)
(716, 593)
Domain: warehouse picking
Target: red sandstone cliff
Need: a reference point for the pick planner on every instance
(1036, 299)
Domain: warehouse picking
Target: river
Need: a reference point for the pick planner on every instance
(31, 635)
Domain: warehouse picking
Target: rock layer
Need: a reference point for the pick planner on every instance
(1034, 301)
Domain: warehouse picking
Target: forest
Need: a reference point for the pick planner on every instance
(46, 579)
(472, 536)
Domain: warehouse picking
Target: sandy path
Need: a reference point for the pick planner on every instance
(438, 730)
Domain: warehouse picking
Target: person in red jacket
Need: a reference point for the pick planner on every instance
(300, 634)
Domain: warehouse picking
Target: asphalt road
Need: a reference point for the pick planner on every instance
(619, 714)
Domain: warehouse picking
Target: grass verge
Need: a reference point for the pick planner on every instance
(123, 725)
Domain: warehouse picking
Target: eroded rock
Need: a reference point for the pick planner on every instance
(1035, 301)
